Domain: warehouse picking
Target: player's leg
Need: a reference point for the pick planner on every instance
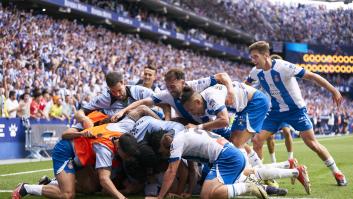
(259, 140)
(271, 148)
(301, 122)
(288, 141)
(221, 180)
(310, 140)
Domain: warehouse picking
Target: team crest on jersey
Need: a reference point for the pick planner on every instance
(70, 164)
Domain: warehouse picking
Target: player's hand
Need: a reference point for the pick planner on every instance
(117, 116)
(337, 98)
(87, 134)
(189, 126)
(186, 195)
(230, 98)
(151, 197)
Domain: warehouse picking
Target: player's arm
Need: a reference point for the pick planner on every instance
(223, 78)
(192, 179)
(104, 159)
(72, 133)
(221, 121)
(107, 184)
(168, 178)
(148, 102)
(167, 110)
(337, 97)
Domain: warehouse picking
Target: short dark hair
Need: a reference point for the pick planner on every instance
(112, 78)
(142, 165)
(186, 95)
(151, 68)
(261, 46)
(37, 93)
(12, 93)
(174, 73)
(154, 139)
(128, 144)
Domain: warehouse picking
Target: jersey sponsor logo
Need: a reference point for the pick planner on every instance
(275, 92)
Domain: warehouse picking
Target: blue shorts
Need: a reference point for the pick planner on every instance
(282, 125)
(228, 166)
(63, 155)
(298, 119)
(224, 132)
(252, 117)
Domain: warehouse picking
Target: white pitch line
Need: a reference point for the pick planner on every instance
(320, 139)
(25, 172)
(6, 191)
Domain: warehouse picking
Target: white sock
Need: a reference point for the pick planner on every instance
(243, 151)
(34, 189)
(290, 155)
(254, 159)
(330, 163)
(274, 173)
(54, 182)
(279, 165)
(236, 189)
(273, 157)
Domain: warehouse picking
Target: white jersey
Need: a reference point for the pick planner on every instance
(197, 145)
(123, 126)
(281, 84)
(164, 97)
(110, 105)
(148, 124)
(215, 97)
(241, 96)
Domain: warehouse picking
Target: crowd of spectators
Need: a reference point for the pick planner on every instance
(137, 11)
(51, 67)
(273, 21)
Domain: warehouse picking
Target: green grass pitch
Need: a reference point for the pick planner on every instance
(323, 183)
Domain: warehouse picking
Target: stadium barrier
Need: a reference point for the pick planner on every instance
(20, 138)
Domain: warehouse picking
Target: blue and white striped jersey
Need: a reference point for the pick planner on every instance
(281, 84)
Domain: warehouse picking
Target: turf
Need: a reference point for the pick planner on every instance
(323, 183)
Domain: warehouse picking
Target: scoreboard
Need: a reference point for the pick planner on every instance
(320, 58)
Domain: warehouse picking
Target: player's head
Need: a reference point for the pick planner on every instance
(275, 56)
(142, 165)
(149, 74)
(115, 82)
(175, 81)
(193, 101)
(160, 141)
(260, 53)
(127, 146)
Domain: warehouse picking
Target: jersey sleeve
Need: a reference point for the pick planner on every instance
(98, 103)
(176, 149)
(140, 92)
(252, 78)
(104, 157)
(291, 70)
(215, 99)
(200, 85)
(161, 97)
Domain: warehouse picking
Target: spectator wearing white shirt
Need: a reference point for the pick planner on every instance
(12, 104)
